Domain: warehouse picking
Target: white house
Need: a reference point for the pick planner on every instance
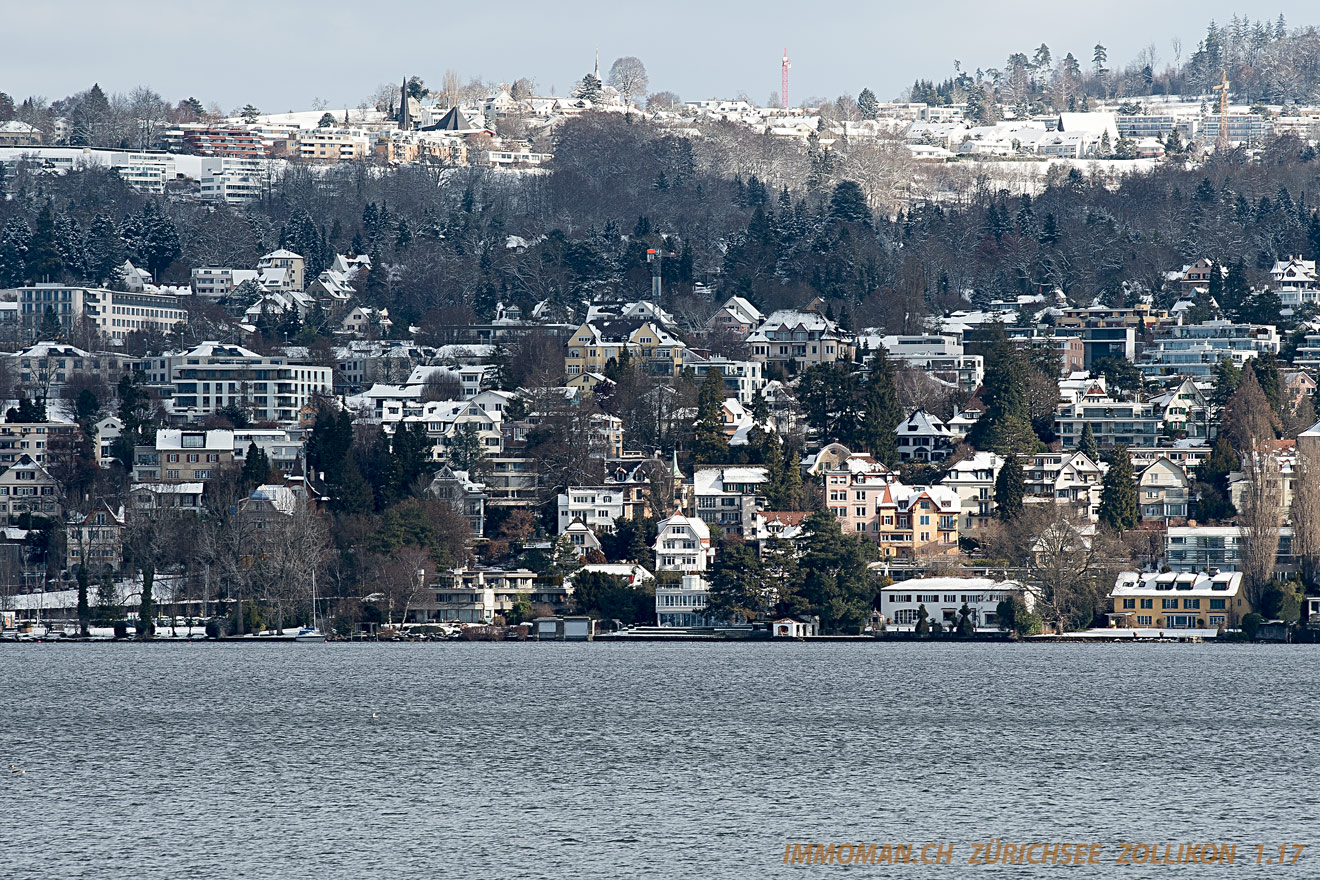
(683, 605)
(944, 597)
(683, 544)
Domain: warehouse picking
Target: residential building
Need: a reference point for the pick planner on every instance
(1178, 600)
(683, 604)
(940, 356)
(737, 317)
(215, 282)
(1195, 350)
(683, 544)
(653, 348)
(599, 506)
(95, 539)
(214, 376)
(742, 379)
(39, 441)
(802, 338)
(729, 497)
(114, 313)
(1164, 493)
(944, 598)
(1187, 413)
(1219, 548)
(45, 367)
(183, 456)
(477, 595)
(924, 437)
(1068, 479)
(173, 497)
(973, 479)
(580, 537)
(294, 267)
(1113, 422)
(466, 496)
(27, 487)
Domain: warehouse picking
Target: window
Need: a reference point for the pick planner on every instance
(1143, 620)
(1148, 603)
(1169, 604)
(1129, 603)
(1190, 604)
(1217, 604)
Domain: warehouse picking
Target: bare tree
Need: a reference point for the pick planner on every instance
(628, 76)
(399, 578)
(441, 385)
(1260, 515)
(1305, 510)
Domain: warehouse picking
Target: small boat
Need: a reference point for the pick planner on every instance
(309, 634)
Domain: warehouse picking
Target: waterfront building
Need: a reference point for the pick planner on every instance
(1178, 600)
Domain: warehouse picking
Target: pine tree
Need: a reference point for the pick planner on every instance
(710, 445)
(738, 584)
(1087, 445)
(867, 104)
(1119, 507)
(1010, 487)
(43, 261)
(882, 413)
(147, 607)
(14, 240)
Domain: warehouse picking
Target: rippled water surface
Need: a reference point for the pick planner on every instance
(642, 760)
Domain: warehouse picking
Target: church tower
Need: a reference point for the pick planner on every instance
(405, 119)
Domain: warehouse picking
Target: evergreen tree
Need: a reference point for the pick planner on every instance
(1119, 508)
(848, 202)
(1087, 444)
(1266, 368)
(882, 413)
(835, 579)
(738, 586)
(14, 240)
(1006, 426)
(1227, 379)
(1010, 487)
(710, 445)
(867, 104)
(256, 467)
(589, 88)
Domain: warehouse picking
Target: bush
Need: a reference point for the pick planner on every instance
(1250, 624)
(121, 629)
(213, 629)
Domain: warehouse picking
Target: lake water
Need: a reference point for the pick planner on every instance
(643, 760)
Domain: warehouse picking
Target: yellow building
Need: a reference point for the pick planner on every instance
(591, 347)
(1173, 600)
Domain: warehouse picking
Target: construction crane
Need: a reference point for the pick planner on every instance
(1222, 89)
(783, 89)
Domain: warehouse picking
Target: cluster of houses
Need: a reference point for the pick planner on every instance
(449, 391)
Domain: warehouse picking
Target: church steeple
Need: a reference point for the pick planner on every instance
(405, 119)
(597, 64)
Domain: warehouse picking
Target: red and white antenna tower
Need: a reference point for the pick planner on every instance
(783, 89)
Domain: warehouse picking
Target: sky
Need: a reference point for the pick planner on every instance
(283, 55)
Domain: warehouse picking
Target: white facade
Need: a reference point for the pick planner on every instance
(596, 506)
(683, 605)
(213, 376)
(944, 597)
(683, 544)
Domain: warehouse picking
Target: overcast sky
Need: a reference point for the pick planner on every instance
(282, 55)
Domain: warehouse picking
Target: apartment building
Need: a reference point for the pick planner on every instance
(1178, 600)
(115, 313)
(183, 456)
(1195, 350)
(213, 376)
(973, 480)
(648, 344)
(1113, 422)
(1069, 479)
(729, 497)
(293, 265)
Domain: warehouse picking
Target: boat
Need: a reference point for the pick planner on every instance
(311, 633)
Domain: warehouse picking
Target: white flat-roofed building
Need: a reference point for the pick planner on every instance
(729, 497)
(944, 597)
(684, 604)
(212, 376)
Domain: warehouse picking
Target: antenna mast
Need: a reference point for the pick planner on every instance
(783, 89)
(1222, 143)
